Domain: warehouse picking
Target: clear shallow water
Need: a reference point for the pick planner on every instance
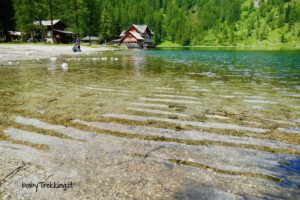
(231, 114)
(266, 64)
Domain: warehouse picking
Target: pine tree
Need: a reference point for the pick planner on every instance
(181, 21)
(6, 18)
(283, 39)
(288, 13)
(106, 25)
(263, 32)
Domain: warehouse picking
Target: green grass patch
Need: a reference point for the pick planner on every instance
(168, 44)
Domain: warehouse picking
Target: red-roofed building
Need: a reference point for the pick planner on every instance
(137, 36)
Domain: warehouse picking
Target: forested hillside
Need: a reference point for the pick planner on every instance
(187, 22)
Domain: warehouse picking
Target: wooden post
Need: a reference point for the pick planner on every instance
(42, 31)
(76, 18)
(76, 21)
(51, 16)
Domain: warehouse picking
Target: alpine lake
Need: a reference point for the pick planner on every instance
(154, 124)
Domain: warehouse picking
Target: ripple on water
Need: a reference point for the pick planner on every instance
(191, 123)
(169, 100)
(260, 101)
(214, 86)
(290, 130)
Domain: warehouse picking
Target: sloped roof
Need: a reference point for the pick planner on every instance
(116, 40)
(122, 34)
(46, 22)
(140, 28)
(15, 33)
(61, 31)
(87, 38)
(136, 35)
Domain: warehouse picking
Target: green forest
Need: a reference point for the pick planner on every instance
(184, 22)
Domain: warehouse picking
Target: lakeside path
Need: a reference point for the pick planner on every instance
(10, 52)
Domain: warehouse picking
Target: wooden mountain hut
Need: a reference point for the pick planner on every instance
(137, 36)
(59, 33)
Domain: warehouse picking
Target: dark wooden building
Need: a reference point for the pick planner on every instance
(15, 36)
(137, 36)
(59, 33)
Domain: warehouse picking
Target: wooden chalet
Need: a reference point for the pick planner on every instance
(137, 36)
(59, 33)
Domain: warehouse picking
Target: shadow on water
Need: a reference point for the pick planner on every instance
(292, 170)
(290, 179)
(202, 192)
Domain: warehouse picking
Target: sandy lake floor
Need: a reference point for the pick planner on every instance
(149, 124)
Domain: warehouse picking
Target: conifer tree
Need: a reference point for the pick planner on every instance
(6, 18)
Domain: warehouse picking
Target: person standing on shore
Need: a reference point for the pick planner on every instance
(76, 47)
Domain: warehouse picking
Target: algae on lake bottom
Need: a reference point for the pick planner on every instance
(250, 95)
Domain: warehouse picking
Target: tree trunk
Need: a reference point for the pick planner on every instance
(51, 16)
(6, 18)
